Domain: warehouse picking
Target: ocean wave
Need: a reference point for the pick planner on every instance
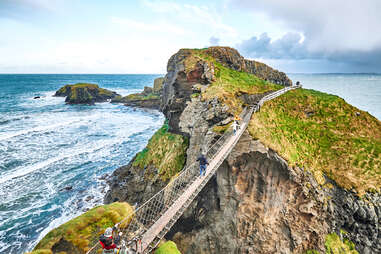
(12, 119)
(22, 171)
(35, 129)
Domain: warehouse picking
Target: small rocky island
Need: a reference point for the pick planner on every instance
(149, 98)
(83, 93)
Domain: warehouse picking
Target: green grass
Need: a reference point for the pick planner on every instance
(141, 97)
(229, 84)
(312, 252)
(84, 230)
(166, 151)
(323, 134)
(168, 247)
(88, 91)
(195, 95)
(221, 129)
(78, 85)
(333, 245)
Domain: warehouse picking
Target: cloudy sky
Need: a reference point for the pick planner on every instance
(119, 36)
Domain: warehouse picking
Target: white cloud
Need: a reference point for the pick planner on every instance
(342, 32)
(203, 15)
(327, 25)
(160, 27)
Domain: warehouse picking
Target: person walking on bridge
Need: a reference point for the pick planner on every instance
(203, 163)
(107, 242)
(235, 126)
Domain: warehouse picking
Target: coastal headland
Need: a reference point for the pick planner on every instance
(303, 178)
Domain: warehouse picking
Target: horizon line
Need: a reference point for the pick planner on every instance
(369, 73)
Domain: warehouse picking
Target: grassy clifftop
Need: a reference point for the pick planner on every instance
(325, 135)
(78, 234)
(228, 83)
(166, 151)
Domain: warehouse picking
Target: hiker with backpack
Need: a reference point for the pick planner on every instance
(107, 242)
(203, 163)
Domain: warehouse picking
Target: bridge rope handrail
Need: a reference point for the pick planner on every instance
(144, 216)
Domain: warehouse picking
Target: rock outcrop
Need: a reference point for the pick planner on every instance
(149, 98)
(257, 202)
(82, 93)
(231, 58)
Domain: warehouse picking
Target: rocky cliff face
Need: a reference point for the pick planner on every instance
(231, 58)
(256, 203)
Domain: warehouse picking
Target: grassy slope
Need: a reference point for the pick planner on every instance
(168, 247)
(333, 140)
(334, 245)
(85, 229)
(166, 151)
(229, 84)
(139, 96)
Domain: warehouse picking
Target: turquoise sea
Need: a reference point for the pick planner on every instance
(54, 157)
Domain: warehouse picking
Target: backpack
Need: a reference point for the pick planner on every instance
(107, 241)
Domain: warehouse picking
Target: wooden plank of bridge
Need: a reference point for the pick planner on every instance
(159, 225)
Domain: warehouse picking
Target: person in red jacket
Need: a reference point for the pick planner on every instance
(107, 242)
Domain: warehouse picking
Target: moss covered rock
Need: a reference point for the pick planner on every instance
(334, 245)
(83, 93)
(79, 234)
(167, 248)
(151, 169)
(165, 151)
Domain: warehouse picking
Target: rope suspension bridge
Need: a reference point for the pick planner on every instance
(149, 223)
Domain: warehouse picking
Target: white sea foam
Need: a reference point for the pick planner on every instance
(36, 129)
(22, 171)
(45, 99)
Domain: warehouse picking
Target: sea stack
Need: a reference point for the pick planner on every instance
(84, 93)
